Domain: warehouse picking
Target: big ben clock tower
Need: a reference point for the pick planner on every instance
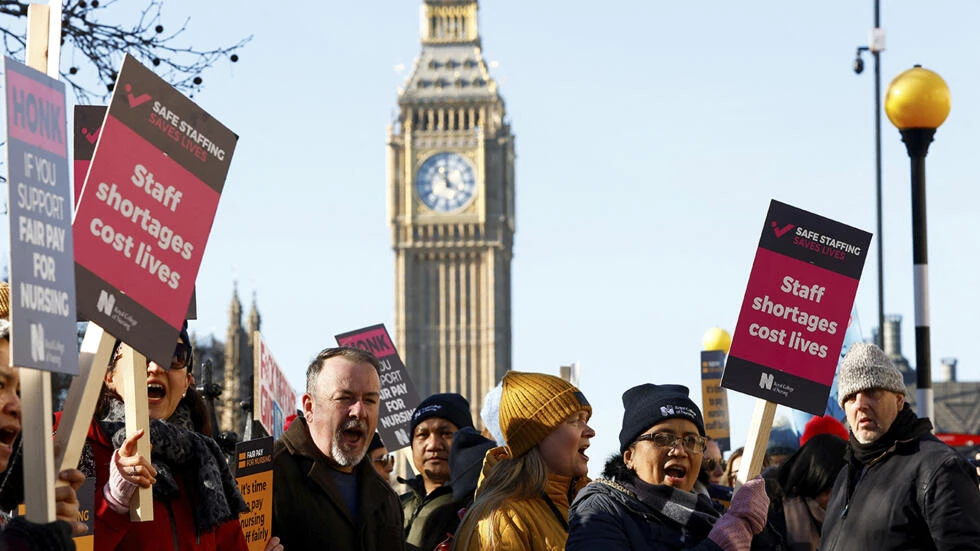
(451, 209)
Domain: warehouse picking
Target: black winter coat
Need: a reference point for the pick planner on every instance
(310, 513)
(609, 517)
(919, 494)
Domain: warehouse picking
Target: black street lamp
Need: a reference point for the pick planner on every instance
(876, 46)
(918, 102)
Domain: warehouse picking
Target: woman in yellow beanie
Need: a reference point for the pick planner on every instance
(522, 502)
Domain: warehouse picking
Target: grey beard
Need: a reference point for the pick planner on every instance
(343, 457)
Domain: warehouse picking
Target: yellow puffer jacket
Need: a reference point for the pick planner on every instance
(525, 524)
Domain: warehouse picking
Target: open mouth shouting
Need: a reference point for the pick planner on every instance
(8, 433)
(353, 434)
(675, 474)
(156, 392)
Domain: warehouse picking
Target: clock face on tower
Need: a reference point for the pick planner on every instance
(446, 182)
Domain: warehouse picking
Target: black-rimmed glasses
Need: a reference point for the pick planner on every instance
(691, 442)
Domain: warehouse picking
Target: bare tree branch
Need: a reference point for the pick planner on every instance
(96, 47)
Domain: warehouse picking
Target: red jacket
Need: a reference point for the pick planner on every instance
(172, 527)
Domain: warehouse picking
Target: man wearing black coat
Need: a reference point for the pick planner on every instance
(901, 488)
(325, 496)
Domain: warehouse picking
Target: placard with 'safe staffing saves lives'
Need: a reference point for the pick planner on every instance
(797, 304)
(146, 210)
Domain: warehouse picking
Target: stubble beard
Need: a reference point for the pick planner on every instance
(347, 457)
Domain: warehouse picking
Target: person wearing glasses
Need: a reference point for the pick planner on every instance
(381, 460)
(714, 464)
(646, 498)
(196, 501)
(711, 475)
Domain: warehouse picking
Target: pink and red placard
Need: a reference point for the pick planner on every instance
(797, 303)
(275, 397)
(146, 209)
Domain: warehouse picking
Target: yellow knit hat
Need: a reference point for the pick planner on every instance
(4, 299)
(4, 310)
(533, 405)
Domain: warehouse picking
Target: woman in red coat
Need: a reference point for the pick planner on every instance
(196, 501)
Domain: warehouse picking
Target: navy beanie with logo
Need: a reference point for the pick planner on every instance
(649, 404)
(449, 406)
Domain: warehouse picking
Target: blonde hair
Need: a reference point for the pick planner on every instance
(522, 478)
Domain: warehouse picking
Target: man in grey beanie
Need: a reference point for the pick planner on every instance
(901, 488)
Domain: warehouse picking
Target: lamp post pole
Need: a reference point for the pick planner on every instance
(917, 103)
(876, 45)
(917, 142)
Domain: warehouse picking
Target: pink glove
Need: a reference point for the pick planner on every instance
(118, 491)
(745, 518)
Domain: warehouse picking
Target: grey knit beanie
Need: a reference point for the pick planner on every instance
(864, 367)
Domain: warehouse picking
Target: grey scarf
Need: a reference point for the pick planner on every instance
(178, 449)
(691, 512)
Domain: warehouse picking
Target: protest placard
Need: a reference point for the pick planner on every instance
(42, 273)
(275, 398)
(795, 311)
(86, 514)
(254, 475)
(88, 125)
(45, 129)
(146, 210)
(714, 399)
(796, 307)
(398, 395)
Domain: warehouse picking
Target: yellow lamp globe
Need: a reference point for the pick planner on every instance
(917, 98)
(716, 338)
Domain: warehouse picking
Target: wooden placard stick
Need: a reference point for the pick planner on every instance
(39, 474)
(137, 417)
(83, 396)
(757, 441)
(35, 385)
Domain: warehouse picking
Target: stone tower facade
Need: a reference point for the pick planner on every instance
(451, 211)
(239, 365)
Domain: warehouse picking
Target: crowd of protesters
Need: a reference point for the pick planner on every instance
(882, 481)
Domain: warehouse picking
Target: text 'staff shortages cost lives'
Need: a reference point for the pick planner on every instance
(42, 273)
(796, 307)
(146, 210)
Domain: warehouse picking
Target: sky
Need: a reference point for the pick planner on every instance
(650, 137)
